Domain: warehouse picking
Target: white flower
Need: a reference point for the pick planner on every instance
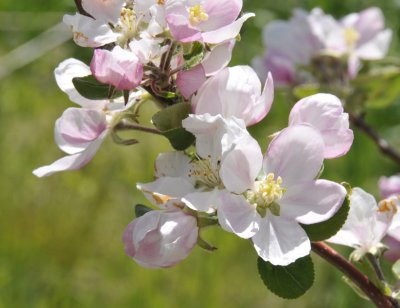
(366, 225)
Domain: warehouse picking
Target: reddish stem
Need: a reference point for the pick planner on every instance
(358, 278)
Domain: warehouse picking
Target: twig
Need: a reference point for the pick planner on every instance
(131, 126)
(382, 144)
(358, 278)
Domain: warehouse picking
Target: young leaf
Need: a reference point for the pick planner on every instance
(326, 229)
(169, 122)
(90, 88)
(141, 209)
(396, 269)
(290, 281)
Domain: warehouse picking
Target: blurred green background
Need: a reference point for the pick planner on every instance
(60, 237)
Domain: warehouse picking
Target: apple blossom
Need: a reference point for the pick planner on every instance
(119, 67)
(287, 194)
(107, 11)
(389, 186)
(325, 113)
(366, 225)
(235, 91)
(227, 158)
(358, 36)
(160, 239)
(204, 20)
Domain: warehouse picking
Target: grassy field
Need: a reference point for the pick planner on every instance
(60, 237)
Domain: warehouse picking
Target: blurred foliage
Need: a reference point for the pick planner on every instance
(60, 239)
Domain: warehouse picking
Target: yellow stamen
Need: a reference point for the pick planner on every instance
(197, 14)
(351, 36)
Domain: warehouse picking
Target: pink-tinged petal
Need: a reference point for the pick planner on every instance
(190, 81)
(72, 162)
(106, 11)
(296, 155)
(119, 67)
(181, 30)
(369, 23)
(325, 113)
(393, 254)
(241, 165)
(236, 215)
(394, 229)
(88, 32)
(218, 58)
(312, 202)
(281, 241)
(376, 48)
(160, 239)
(220, 13)
(366, 225)
(234, 92)
(77, 128)
(227, 32)
(264, 103)
(65, 72)
(354, 66)
(160, 191)
(281, 68)
(389, 186)
(203, 201)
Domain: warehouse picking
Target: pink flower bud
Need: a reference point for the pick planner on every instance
(161, 238)
(118, 67)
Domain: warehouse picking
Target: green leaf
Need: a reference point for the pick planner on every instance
(169, 122)
(290, 281)
(380, 88)
(197, 48)
(141, 209)
(90, 88)
(326, 229)
(179, 138)
(396, 269)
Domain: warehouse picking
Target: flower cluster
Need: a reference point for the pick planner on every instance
(175, 53)
(356, 37)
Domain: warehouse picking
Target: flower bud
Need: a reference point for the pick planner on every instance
(161, 238)
(118, 67)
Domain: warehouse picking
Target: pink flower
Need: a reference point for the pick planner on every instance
(235, 92)
(325, 113)
(393, 254)
(118, 67)
(79, 133)
(207, 21)
(286, 195)
(161, 239)
(389, 186)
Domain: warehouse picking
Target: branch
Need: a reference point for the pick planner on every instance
(358, 278)
(382, 144)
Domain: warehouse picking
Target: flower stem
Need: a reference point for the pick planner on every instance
(358, 278)
(131, 126)
(376, 266)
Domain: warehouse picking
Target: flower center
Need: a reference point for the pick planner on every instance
(351, 37)
(265, 195)
(388, 205)
(197, 14)
(205, 173)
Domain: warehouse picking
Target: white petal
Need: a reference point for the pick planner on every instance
(312, 202)
(236, 215)
(296, 155)
(72, 162)
(204, 201)
(218, 58)
(281, 241)
(160, 191)
(65, 72)
(172, 164)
